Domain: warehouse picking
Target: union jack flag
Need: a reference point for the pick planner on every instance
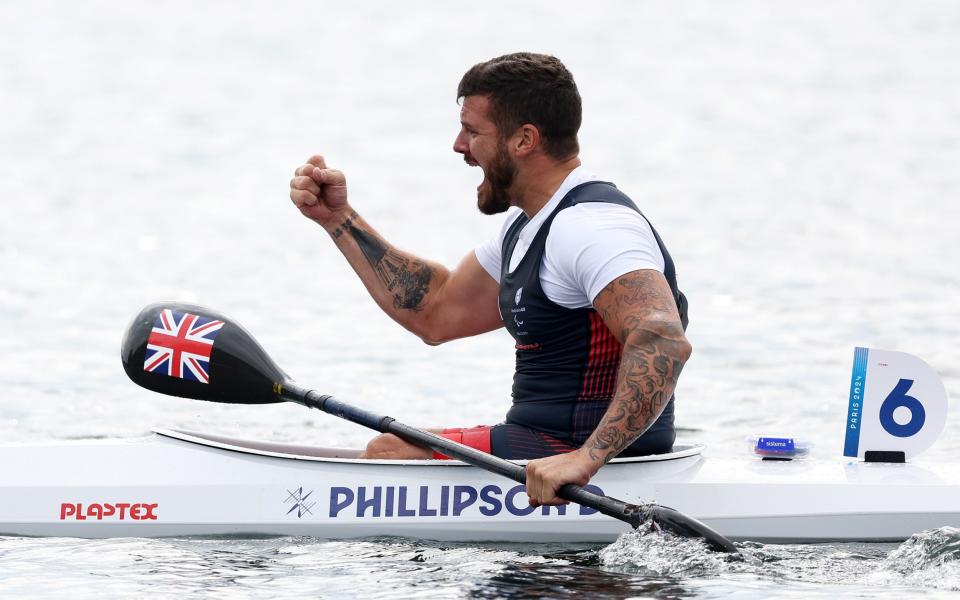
(180, 345)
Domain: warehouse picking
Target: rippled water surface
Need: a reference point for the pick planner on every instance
(799, 159)
(634, 566)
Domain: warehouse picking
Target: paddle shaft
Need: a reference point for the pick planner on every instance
(243, 373)
(632, 514)
(612, 507)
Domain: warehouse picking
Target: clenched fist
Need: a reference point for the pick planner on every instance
(320, 193)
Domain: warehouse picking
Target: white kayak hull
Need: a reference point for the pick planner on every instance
(180, 484)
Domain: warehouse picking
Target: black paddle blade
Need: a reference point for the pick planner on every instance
(194, 352)
(680, 524)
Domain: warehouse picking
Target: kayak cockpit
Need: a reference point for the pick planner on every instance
(264, 448)
(306, 452)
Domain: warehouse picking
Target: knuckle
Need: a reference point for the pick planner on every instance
(301, 197)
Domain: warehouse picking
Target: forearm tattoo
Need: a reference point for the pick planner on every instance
(654, 352)
(407, 279)
(346, 223)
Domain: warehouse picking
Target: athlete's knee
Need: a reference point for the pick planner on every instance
(389, 446)
(382, 446)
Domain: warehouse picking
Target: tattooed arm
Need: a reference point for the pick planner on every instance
(425, 297)
(639, 310)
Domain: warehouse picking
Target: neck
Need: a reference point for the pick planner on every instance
(538, 181)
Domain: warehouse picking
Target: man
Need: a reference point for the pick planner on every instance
(577, 276)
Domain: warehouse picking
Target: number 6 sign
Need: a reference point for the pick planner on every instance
(897, 403)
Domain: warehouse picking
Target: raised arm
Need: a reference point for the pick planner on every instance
(428, 299)
(639, 310)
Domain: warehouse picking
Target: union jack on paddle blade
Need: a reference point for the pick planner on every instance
(180, 345)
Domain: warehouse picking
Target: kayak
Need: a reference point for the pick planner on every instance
(180, 483)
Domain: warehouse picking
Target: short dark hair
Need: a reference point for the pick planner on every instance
(524, 87)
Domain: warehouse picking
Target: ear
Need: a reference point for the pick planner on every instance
(526, 140)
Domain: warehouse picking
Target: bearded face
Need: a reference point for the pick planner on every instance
(492, 195)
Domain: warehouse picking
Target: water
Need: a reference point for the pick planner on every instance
(395, 568)
(800, 161)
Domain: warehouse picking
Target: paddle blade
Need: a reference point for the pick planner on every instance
(194, 352)
(680, 524)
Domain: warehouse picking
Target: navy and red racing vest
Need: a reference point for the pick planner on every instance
(567, 359)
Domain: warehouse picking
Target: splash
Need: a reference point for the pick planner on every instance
(650, 551)
(928, 559)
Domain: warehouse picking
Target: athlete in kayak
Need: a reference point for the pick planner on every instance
(577, 275)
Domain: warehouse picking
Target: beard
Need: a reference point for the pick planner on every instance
(492, 198)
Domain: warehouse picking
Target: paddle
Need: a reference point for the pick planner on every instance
(193, 352)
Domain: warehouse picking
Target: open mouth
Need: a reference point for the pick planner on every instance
(473, 163)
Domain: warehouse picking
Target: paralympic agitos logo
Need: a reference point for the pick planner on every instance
(118, 511)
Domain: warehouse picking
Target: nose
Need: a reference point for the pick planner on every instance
(460, 145)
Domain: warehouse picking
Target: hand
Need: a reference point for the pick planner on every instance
(547, 475)
(320, 193)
